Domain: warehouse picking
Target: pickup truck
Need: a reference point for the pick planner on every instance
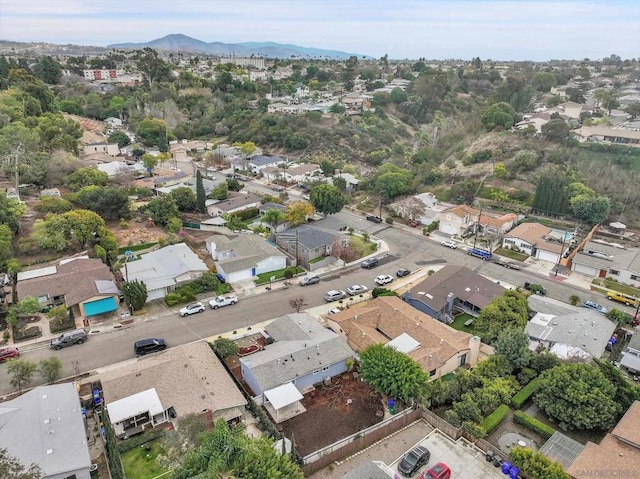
(535, 288)
(220, 301)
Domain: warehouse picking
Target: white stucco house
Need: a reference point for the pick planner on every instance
(535, 240)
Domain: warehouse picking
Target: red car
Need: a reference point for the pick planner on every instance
(439, 471)
(8, 353)
(415, 223)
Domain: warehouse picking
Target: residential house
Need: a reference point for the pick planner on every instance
(164, 269)
(113, 122)
(463, 219)
(257, 163)
(568, 331)
(96, 158)
(290, 175)
(617, 455)
(630, 359)
(535, 240)
(306, 243)
(45, 426)
(242, 257)
(110, 149)
(180, 381)
(162, 179)
(50, 192)
(116, 168)
(283, 225)
(601, 259)
(352, 181)
(537, 121)
(436, 347)
(13, 194)
(607, 134)
(569, 109)
(235, 203)
(452, 289)
(424, 208)
(84, 285)
(304, 353)
(190, 183)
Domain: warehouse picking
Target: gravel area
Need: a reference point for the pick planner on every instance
(386, 450)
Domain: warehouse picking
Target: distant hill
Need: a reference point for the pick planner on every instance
(184, 43)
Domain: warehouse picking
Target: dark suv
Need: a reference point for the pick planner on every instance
(150, 345)
(414, 460)
(375, 219)
(369, 263)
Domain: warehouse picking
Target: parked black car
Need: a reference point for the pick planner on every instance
(402, 273)
(150, 345)
(375, 219)
(369, 263)
(414, 460)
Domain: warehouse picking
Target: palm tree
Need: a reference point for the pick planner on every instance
(574, 300)
(273, 218)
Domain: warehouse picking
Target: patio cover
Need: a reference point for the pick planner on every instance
(283, 395)
(404, 343)
(145, 401)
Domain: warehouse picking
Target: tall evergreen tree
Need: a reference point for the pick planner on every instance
(201, 196)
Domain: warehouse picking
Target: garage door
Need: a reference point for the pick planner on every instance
(155, 294)
(589, 271)
(548, 256)
(101, 306)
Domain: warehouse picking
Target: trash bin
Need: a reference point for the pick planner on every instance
(506, 467)
(515, 470)
(489, 455)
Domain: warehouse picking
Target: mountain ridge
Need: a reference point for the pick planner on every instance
(185, 43)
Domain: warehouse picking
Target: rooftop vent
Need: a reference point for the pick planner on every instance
(49, 451)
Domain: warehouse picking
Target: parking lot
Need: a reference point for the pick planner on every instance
(464, 460)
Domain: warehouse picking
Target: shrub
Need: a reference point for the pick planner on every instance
(476, 430)
(246, 214)
(525, 393)
(389, 220)
(533, 424)
(493, 420)
(26, 333)
(288, 273)
(535, 465)
(526, 375)
(138, 441)
(382, 292)
(124, 225)
(182, 295)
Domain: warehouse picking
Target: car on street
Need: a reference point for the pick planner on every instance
(149, 345)
(357, 289)
(402, 272)
(374, 218)
(535, 288)
(415, 223)
(593, 305)
(369, 263)
(192, 308)
(383, 279)
(77, 336)
(307, 280)
(437, 471)
(334, 311)
(449, 244)
(334, 295)
(413, 460)
(225, 300)
(277, 188)
(8, 353)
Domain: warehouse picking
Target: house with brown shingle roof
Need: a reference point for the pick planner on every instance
(535, 240)
(234, 204)
(617, 455)
(452, 289)
(438, 348)
(183, 380)
(463, 218)
(85, 285)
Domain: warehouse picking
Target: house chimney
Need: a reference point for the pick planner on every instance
(448, 309)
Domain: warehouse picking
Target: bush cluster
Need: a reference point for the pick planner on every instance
(525, 393)
(533, 424)
(493, 420)
(26, 333)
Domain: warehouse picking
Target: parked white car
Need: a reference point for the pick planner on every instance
(192, 308)
(357, 289)
(449, 244)
(226, 300)
(383, 279)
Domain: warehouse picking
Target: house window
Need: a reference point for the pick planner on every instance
(72, 476)
(316, 371)
(432, 373)
(614, 272)
(462, 360)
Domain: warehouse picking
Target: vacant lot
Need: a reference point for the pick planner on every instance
(334, 411)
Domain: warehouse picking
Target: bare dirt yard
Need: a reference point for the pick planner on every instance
(334, 411)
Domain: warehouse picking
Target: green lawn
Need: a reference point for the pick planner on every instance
(317, 260)
(458, 323)
(511, 254)
(623, 288)
(264, 277)
(141, 464)
(365, 248)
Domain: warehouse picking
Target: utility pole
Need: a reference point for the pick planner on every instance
(564, 237)
(477, 228)
(296, 263)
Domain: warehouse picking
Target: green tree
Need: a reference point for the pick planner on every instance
(591, 210)
(506, 311)
(397, 96)
(393, 373)
(327, 167)
(535, 465)
(298, 212)
(340, 183)
(514, 345)
(18, 148)
(226, 452)
(178, 441)
(201, 197)
(337, 108)
(10, 212)
(500, 170)
(152, 131)
(273, 217)
(327, 199)
(391, 185)
(58, 133)
(608, 99)
(161, 209)
(578, 397)
(574, 300)
(6, 246)
(220, 192)
(153, 67)
(109, 203)
(79, 228)
(526, 160)
(556, 130)
(11, 468)
(246, 148)
(149, 162)
(135, 294)
(544, 81)
(50, 369)
(633, 110)
(225, 347)
(185, 198)
(119, 137)
(86, 177)
(499, 114)
(21, 372)
(58, 315)
(48, 70)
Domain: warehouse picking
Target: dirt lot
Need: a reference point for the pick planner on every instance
(330, 415)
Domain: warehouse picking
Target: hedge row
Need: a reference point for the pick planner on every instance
(493, 420)
(137, 441)
(525, 393)
(533, 424)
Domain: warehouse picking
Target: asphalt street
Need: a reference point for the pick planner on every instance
(408, 249)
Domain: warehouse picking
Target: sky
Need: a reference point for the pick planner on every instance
(433, 29)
